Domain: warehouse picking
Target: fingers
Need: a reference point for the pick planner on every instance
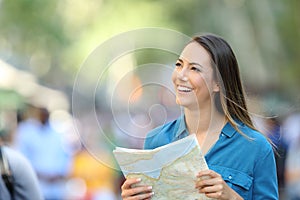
(210, 173)
(213, 186)
(210, 189)
(137, 192)
(128, 182)
(146, 196)
(208, 178)
(209, 182)
(215, 191)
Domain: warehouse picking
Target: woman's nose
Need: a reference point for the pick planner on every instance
(182, 74)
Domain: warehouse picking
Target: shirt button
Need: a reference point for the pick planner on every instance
(230, 177)
(222, 134)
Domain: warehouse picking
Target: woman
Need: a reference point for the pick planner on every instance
(208, 87)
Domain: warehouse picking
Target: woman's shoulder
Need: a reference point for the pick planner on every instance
(161, 135)
(256, 138)
(163, 129)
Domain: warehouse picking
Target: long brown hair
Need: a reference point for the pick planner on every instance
(231, 98)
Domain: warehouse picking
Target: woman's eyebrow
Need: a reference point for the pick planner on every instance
(192, 63)
(180, 60)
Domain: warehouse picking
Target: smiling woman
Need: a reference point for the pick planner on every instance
(208, 87)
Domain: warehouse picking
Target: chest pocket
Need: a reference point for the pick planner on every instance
(237, 180)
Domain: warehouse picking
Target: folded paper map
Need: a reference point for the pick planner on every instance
(170, 169)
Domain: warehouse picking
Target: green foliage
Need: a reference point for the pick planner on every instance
(10, 100)
(32, 25)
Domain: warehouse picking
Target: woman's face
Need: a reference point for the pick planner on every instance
(193, 77)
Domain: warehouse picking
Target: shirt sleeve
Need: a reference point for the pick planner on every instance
(265, 178)
(146, 144)
(25, 180)
(4, 193)
(151, 140)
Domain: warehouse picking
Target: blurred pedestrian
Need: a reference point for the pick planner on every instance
(291, 128)
(275, 134)
(292, 171)
(46, 150)
(292, 167)
(18, 180)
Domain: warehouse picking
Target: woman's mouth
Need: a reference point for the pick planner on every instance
(181, 88)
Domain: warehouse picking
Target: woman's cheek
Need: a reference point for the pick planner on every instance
(174, 76)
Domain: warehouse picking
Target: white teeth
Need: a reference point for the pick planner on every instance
(184, 89)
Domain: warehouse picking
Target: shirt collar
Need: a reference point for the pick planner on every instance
(229, 130)
(181, 126)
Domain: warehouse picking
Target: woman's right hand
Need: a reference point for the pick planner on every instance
(137, 192)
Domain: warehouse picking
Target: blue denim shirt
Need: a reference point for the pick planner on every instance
(247, 165)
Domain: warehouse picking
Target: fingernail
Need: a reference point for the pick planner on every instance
(138, 179)
(149, 188)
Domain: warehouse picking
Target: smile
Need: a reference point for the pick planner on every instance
(181, 88)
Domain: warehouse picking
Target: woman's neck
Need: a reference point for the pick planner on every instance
(204, 121)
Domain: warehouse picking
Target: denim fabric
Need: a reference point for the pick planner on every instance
(247, 164)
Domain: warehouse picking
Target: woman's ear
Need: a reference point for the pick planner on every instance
(216, 87)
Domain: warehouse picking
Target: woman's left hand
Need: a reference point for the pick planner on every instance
(213, 186)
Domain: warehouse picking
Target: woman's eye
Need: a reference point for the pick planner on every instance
(195, 69)
(178, 65)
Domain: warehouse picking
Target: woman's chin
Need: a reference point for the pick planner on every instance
(182, 102)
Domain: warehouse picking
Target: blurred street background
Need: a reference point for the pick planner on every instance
(44, 43)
